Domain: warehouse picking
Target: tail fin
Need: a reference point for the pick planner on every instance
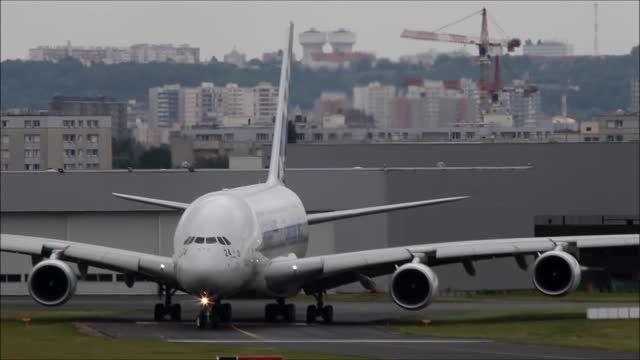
(276, 164)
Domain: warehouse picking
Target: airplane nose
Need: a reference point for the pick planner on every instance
(203, 272)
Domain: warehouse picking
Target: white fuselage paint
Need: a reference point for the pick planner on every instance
(262, 222)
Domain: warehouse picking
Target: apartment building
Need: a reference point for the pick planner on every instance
(45, 141)
(164, 108)
(376, 99)
(94, 105)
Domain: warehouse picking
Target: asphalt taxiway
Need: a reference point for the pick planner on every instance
(359, 329)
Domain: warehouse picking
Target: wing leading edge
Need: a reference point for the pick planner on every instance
(151, 201)
(318, 218)
(329, 271)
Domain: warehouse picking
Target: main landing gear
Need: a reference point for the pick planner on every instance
(285, 312)
(319, 310)
(212, 314)
(162, 309)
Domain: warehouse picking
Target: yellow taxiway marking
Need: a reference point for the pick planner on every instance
(248, 333)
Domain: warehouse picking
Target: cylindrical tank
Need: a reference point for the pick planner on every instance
(312, 41)
(342, 40)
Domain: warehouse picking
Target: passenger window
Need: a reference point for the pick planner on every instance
(226, 240)
(199, 240)
(211, 240)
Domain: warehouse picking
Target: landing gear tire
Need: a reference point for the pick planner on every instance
(271, 312)
(327, 314)
(214, 318)
(311, 313)
(319, 310)
(225, 313)
(289, 313)
(162, 309)
(158, 312)
(175, 312)
(201, 320)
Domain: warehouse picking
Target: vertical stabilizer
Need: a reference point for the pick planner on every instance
(276, 164)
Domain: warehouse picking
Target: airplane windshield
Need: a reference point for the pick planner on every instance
(199, 240)
(211, 240)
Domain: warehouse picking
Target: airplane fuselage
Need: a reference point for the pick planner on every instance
(224, 239)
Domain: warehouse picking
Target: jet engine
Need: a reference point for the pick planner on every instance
(413, 286)
(52, 282)
(556, 273)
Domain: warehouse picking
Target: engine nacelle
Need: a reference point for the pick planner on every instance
(52, 282)
(413, 286)
(556, 273)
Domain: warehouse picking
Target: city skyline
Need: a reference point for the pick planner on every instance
(377, 24)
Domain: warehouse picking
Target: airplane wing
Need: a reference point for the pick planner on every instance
(329, 271)
(317, 218)
(157, 268)
(145, 200)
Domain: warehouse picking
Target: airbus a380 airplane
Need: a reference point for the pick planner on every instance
(252, 240)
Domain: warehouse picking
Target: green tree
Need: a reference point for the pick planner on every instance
(155, 158)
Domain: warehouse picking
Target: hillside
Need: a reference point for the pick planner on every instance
(604, 81)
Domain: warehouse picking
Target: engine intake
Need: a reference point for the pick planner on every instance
(52, 282)
(556, 273)
(413, 286)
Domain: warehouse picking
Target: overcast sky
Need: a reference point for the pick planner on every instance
(257, 27)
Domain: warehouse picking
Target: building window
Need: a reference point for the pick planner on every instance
(32, 154)
(32, 139)
(588, 129)
(610, 138)
(92, 138)
(30, 167)
(80, 123)
(92, 152)
(4, 123)
(619, 138)
(318, 137)
(69, 123)
(455, 135)
(5, 154)
(333, 136)
(69, 166)
(6, 140)
(28, 124)
(92, 166)
(228, 137)
(70, 153)
(36, 123)
(4, 167)
(262, 137)
(69, 138)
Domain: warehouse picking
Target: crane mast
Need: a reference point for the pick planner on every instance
(486, 47)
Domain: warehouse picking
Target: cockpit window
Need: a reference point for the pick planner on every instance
(199, 240)
(211, 240)
(226, 240)
(187, 241)
(191, 238)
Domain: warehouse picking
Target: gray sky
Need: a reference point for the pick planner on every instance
(256, 27)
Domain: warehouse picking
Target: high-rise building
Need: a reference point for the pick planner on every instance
(101, 105)
(377, 100)
(236, 58)
(164, 105)
(190, 106)
(265, 98)
(43, 141)
(211, 101)
(525, 105)
(634, 96)
(547, 48)
(140, 53)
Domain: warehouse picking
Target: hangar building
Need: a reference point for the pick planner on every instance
(565, 183)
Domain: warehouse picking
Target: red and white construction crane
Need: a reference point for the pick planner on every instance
(486, 48)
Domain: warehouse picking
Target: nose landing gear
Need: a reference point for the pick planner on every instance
(319, 310)
(211, 315)
(167, 308)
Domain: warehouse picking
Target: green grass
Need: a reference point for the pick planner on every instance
(52, 335)
(548, 327)
(580, 296)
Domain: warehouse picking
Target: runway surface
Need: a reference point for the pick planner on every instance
(358, 329)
